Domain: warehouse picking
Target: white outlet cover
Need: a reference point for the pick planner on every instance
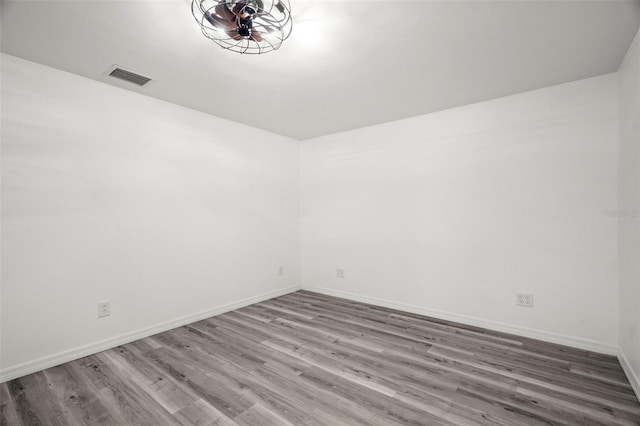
(104, 308)
(524, 299)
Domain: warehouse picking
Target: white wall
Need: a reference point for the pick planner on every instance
(173, 214)
(629, 217)
(107, 194)
(453, 212)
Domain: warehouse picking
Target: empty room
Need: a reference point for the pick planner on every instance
(320, 212)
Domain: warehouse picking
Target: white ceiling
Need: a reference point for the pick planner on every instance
(347, 64)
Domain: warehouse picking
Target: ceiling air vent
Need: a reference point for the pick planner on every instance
(126, 75)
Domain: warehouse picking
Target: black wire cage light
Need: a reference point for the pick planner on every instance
(244, 26)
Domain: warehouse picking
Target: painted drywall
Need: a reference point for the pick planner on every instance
(107, 194)
(628, 213)
(452, 213)
(175, 215)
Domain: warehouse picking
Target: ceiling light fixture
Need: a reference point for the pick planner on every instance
(244, 26)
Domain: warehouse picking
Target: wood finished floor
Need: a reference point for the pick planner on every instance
(309, 359)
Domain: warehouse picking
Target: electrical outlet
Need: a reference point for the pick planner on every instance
(340, 273)
(632, 331)
(104, 308)
(524, 299)
(281, 271)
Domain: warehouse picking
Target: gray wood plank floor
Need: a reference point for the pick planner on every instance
(310, 359)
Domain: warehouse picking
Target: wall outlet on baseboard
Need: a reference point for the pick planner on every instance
(281, 271)
(104, 308)
(524, 299)
(340, 273)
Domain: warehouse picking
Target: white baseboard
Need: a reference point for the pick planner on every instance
(28, 367)
(562, 339)
(631, 374)
(48, 361)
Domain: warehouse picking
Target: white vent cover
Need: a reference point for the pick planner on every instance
(118, 72)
